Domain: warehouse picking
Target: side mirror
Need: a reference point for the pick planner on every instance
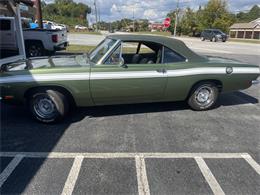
(122, 63)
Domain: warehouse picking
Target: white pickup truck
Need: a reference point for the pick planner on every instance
(38, 42)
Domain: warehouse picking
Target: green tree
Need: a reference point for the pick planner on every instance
(66, 12)
(253, 14)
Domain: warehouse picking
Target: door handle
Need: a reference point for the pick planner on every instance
(161, 70)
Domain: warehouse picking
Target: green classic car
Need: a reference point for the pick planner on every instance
(122, 69)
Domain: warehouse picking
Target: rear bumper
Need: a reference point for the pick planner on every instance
(255, 82)
(61, 46)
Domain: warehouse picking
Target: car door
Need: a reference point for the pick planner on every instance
(115, 82)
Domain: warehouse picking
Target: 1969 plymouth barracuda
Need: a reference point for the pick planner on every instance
(122, 69)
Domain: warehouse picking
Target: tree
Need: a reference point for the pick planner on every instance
(253, 14)
(67, 12)
(216, 15)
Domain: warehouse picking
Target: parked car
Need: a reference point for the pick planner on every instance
(38, 42)
(52, 25)
(80, 27)
(122, 69)
(213, 35)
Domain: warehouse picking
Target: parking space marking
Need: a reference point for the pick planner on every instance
(142, 181)
(252, 162)
(121, 155)
(10, 168)
(73, 176)
(213, 183)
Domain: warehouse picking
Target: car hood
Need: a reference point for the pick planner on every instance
(49, 62)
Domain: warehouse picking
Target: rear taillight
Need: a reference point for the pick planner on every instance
(54, 38)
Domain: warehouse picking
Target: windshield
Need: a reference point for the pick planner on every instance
(101, 50)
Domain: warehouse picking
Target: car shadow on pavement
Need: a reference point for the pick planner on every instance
(236, 98)
(19, 133)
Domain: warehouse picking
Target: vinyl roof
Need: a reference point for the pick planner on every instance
(174, 44)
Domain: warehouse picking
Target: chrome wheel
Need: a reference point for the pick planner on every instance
(204, 96)
(44, 107)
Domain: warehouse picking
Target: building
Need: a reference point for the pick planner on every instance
(249, 30)
(156, 26)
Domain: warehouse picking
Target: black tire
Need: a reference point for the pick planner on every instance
(48, 106)
(203, 96)
(34, 49)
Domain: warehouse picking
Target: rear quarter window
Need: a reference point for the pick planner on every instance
(5, 25)
(171, 56)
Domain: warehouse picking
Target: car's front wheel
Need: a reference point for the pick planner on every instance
(203, 96)
(48, 106)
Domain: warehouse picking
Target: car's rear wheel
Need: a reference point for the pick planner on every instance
(214, 39)
(203, 96)
(48, 106)
(34, 49)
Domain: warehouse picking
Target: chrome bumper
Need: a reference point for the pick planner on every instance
(255, 82)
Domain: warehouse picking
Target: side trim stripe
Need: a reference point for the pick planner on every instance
(124, 74)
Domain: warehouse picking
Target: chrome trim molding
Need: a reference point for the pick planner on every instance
(124, 74)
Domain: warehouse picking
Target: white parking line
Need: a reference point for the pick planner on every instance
(214, 185)
(73, 176)
(252, 162)
(142, 181)
(143, 185)
(121, 155)
(10, 168)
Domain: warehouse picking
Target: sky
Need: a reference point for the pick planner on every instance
(153, 10)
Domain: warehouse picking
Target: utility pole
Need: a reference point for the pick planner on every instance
(176, 19)
(133, 19)
(95, 4)
(39, 13)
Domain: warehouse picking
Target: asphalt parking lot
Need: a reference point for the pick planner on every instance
(159, 148)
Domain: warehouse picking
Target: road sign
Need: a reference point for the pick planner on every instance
(167, 22)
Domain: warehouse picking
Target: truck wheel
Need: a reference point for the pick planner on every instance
(34, 49)
(48, 106)
(203, 96)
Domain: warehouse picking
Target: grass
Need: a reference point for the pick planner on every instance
(79, 48)
(244, 40)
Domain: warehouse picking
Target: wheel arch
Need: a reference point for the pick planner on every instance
(29, 41)
(60, 89)
(218, 83)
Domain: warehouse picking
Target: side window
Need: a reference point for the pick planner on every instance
(129, 47)
(5, 25)
(140, 52)
(145, 50)
(114, 58)
(171, 56)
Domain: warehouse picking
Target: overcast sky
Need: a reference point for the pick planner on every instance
(153, 10)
